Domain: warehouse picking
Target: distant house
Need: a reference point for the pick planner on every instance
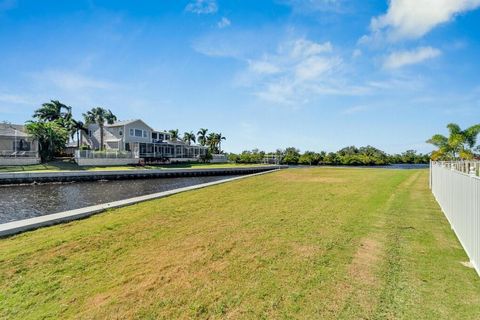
(143, 141)
(17, 147)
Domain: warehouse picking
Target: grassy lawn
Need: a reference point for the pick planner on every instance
(300, 243)
(56, 166)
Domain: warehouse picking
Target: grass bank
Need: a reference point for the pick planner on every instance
(303, 243)
(56, 166)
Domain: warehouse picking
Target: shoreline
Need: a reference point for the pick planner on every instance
(16, 178)
(19, 226)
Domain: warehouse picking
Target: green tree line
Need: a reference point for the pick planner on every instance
(347, 156)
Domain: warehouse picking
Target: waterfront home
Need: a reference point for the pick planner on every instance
(136, 139)
(17, 147)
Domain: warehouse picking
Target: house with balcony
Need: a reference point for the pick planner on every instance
(17, 147)
(141, 141)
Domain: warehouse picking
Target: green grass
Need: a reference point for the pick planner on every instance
(68, 165)
(300, 243)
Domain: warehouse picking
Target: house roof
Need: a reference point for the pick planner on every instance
(126, 122)
(122, 123)
(12, 130)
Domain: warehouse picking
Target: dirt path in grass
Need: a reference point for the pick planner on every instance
(358, 293)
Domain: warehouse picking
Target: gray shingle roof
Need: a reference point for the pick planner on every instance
(11, 130)
(122, 123)
(126, 122)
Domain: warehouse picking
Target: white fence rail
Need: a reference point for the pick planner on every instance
(114, 154)
(18, 154)
(456, 186)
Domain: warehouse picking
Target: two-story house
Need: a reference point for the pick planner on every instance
(144, 141)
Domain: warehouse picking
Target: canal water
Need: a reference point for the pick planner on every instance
(19, 202)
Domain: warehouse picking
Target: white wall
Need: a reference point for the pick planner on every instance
(8, 161)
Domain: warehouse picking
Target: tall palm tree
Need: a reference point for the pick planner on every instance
(212, 142)
(189, 137)
(52, 111)
(458, 144)
(77, 127)
(202, 136)
(220, 137)
(173, 134)
(100, 116)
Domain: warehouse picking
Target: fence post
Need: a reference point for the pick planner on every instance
(430, 180)
(472, 171)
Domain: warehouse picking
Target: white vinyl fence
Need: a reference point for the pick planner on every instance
(109, 154)
(456, 186)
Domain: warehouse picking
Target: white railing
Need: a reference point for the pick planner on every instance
(18, 154)
(456, 187)
(108, 154)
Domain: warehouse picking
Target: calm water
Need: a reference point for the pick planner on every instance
(28, 201)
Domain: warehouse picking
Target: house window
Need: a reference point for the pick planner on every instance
(160, 137)
(144, 133)
(131, 132)
(154, 136)
(120, 133)
(138, 133)
(21, 145)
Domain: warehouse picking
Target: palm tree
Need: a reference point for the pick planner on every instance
(458, 144)
(189, 137)
(173, 134)
(202, 136)
(99, 116)
(52, 111)
(212, 142)
(76, 128)
(219, 141)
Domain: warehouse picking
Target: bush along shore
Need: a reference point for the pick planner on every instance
(352, 155)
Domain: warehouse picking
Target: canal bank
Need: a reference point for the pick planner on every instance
(76, 176)
(14, 227)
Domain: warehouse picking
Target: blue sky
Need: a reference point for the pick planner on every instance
(314, 74)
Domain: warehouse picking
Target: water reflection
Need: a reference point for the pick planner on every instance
(27, 201)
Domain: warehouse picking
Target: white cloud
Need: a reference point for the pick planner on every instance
(313, 67)
(304, 48)
(297, 72)
(223, 23)
(72, 81)
(263, 67)
(402, 58)
(281, 92)
(411, 19)
(202, 6)
(356, 53)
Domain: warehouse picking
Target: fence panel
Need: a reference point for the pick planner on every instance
(110, 154)
(456, 187)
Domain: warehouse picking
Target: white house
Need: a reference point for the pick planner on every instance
(142, 141)
(17, 147)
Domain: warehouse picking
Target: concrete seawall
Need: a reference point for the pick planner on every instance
(14, 227)
(70, 176)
